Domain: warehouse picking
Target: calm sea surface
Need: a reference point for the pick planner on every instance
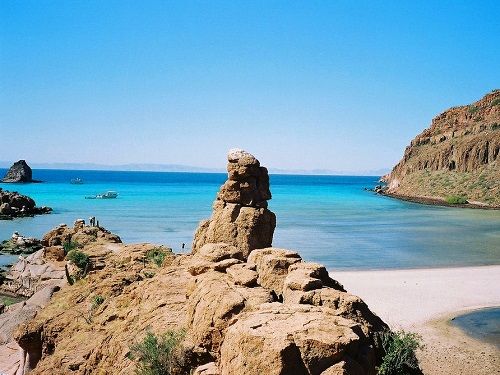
(329, 219)
(482, 324)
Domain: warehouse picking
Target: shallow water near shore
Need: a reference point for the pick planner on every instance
(481, 324)
(328, 219)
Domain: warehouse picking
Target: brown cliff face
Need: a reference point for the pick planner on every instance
(456, 155)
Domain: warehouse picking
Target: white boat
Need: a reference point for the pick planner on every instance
(106, 195)
(76, 181)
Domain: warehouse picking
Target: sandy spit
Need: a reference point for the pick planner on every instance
(424, 301)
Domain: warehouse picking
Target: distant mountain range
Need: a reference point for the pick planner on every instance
(188, 168)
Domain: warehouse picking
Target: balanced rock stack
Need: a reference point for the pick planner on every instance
(240, 216)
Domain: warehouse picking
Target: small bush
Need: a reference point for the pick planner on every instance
(79, 258)
(97, 300)
(70, 245)
(455, 199)
(473, 109)
(157, 355)
(400, 357)
(495, 102)
(156, 255)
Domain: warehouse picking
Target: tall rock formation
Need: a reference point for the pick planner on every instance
(240, 216)
(457, 155)
(19, 172)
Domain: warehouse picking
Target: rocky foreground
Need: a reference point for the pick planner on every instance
(455, 160)
(245, 307)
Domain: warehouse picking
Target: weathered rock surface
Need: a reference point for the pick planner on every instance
(19, 172)
(293, 339)
(13, 359)
(13, 204)
(456, 155)
(240, 216)
(32, 273)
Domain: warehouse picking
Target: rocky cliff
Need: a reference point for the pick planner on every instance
(456, 156)
(245, 310)
(18, 173)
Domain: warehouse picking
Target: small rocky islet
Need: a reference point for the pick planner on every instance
(19, 172)
(13, 204)
(245, 306)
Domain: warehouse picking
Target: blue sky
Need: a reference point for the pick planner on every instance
(339, 85)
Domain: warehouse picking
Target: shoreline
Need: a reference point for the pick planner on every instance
(424, 301)
(436, 201)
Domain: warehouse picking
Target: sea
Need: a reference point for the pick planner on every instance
(332, 220)
(481, 324)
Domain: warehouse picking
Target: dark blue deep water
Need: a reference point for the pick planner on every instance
(329, 219)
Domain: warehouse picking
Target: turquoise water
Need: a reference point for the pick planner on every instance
(482, 324)
(329, 219)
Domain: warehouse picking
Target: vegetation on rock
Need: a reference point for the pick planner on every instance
(70, 245)
(156, 255)
(400, 353)
(157, 355)
(78, 258)
(455, 199)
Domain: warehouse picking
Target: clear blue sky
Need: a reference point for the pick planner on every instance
(341, 85)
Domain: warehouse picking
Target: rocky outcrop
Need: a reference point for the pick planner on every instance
(244, 309)
(47, 265)
(33, 273)
(80, 235)
(291, 318)
(240, 216)
(13, 204)
(19, 244)
(14, 360)
(20, 172)
(456, 155)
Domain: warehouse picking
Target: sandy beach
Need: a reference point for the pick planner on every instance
(423, 301)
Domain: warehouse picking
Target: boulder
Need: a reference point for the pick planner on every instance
(212, 303)
(19, 172)
(272, 265)
(298, 339)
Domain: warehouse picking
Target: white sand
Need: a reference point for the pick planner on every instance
(405, 298)
(423, 301)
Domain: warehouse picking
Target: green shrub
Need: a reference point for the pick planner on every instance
(79, 258)
(70, 245)
(495, 102)
(455, 199)
(97, 300)
(156, 255)
(473, 109)
(157, 355)
(399, 348)
(8, 300)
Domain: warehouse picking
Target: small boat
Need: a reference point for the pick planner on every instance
(76, 181)
(106, 195)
